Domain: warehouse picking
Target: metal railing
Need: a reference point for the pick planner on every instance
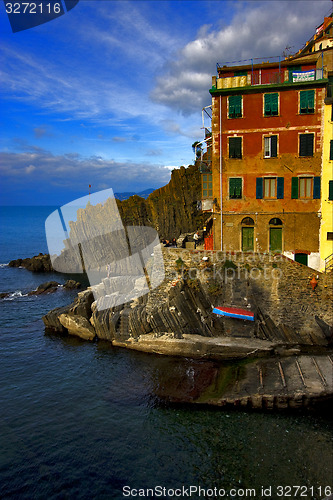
(329, 263)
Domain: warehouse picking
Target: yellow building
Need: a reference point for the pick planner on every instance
(326, 227)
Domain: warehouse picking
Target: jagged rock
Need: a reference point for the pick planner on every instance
(4, 295)
(82, 304)
(40, 263)
(72, 285)
(105, 322)
(47, 287)
(51, 319)
(78, 326)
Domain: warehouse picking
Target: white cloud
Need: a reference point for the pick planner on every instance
(259, 29)
(72, 171)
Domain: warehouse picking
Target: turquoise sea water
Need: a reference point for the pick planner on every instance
(81, 420)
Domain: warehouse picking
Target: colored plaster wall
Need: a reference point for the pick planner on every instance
(299, 216)
(326, 246)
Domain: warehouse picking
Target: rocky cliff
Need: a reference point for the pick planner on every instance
(176, 317)
(172, 209)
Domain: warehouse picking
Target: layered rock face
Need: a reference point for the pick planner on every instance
(176, 317)
(172, 209)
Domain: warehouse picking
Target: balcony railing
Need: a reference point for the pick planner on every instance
(272, 77)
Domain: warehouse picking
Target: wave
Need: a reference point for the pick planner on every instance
(15, 295)
(4, 265)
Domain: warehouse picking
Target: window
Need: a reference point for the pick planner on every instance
(305, 188)
(271, 104)
(235, 147)
(306, 144)
(235, 106)
(270, 188)
(306, 101)
(270, 146)
(235, 188)
(330, 190)
(331, 150)
(207, 186)
(330, 236)
(275, 222)
(248, 221)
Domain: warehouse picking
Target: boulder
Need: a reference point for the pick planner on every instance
(72, 285)
(47, 287)
(78, 326)
(51, 319)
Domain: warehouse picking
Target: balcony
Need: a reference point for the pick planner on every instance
(267, 77)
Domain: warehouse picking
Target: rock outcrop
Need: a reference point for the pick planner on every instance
(40, 263)
(176, 317)
(172, 209)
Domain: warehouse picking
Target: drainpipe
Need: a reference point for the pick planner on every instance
(221, 171)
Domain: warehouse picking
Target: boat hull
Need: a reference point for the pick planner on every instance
(234, 312)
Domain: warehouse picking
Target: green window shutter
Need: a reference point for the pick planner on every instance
(311, 94)
(238, 147)
(238, 106)
(294, 188)
(307, 101)
(238, 187)
(235, 187)
(309, 144)
(267, 98)
(330, 190)
(235, 106)
(259, 188)
(232, 188)
(280, 188)
(275, 104)
(306, 144)
(303, 101)
(274, 146)
(302, 145)
(316, 188)
(231, 107)
(331, 150)
(235, 147)
(231, 147)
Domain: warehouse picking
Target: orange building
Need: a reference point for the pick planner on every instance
(263, 183)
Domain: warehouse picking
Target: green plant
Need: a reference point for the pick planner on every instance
(228, 264)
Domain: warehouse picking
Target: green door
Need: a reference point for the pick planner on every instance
(275, 239)
(302, 258)
(247, 239)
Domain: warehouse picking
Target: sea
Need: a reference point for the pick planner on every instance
(84, 420)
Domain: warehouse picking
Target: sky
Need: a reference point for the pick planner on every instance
(111, 93)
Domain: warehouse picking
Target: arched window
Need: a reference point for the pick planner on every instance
(248, 221)
(275, 222)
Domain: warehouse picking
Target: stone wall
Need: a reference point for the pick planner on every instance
(177, 318)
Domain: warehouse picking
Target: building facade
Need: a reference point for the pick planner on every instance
(264, 186)
(326, 227)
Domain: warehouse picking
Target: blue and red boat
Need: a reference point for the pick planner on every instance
(234, 312)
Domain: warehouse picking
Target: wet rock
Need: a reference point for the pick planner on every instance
(4, 295)
(51, 319)
(78, 326)
(72, 285)
(47, 287)
(40, 263)
(82, 304)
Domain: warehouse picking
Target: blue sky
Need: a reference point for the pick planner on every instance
(110, 94)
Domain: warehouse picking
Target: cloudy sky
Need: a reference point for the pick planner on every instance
(110, 94)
